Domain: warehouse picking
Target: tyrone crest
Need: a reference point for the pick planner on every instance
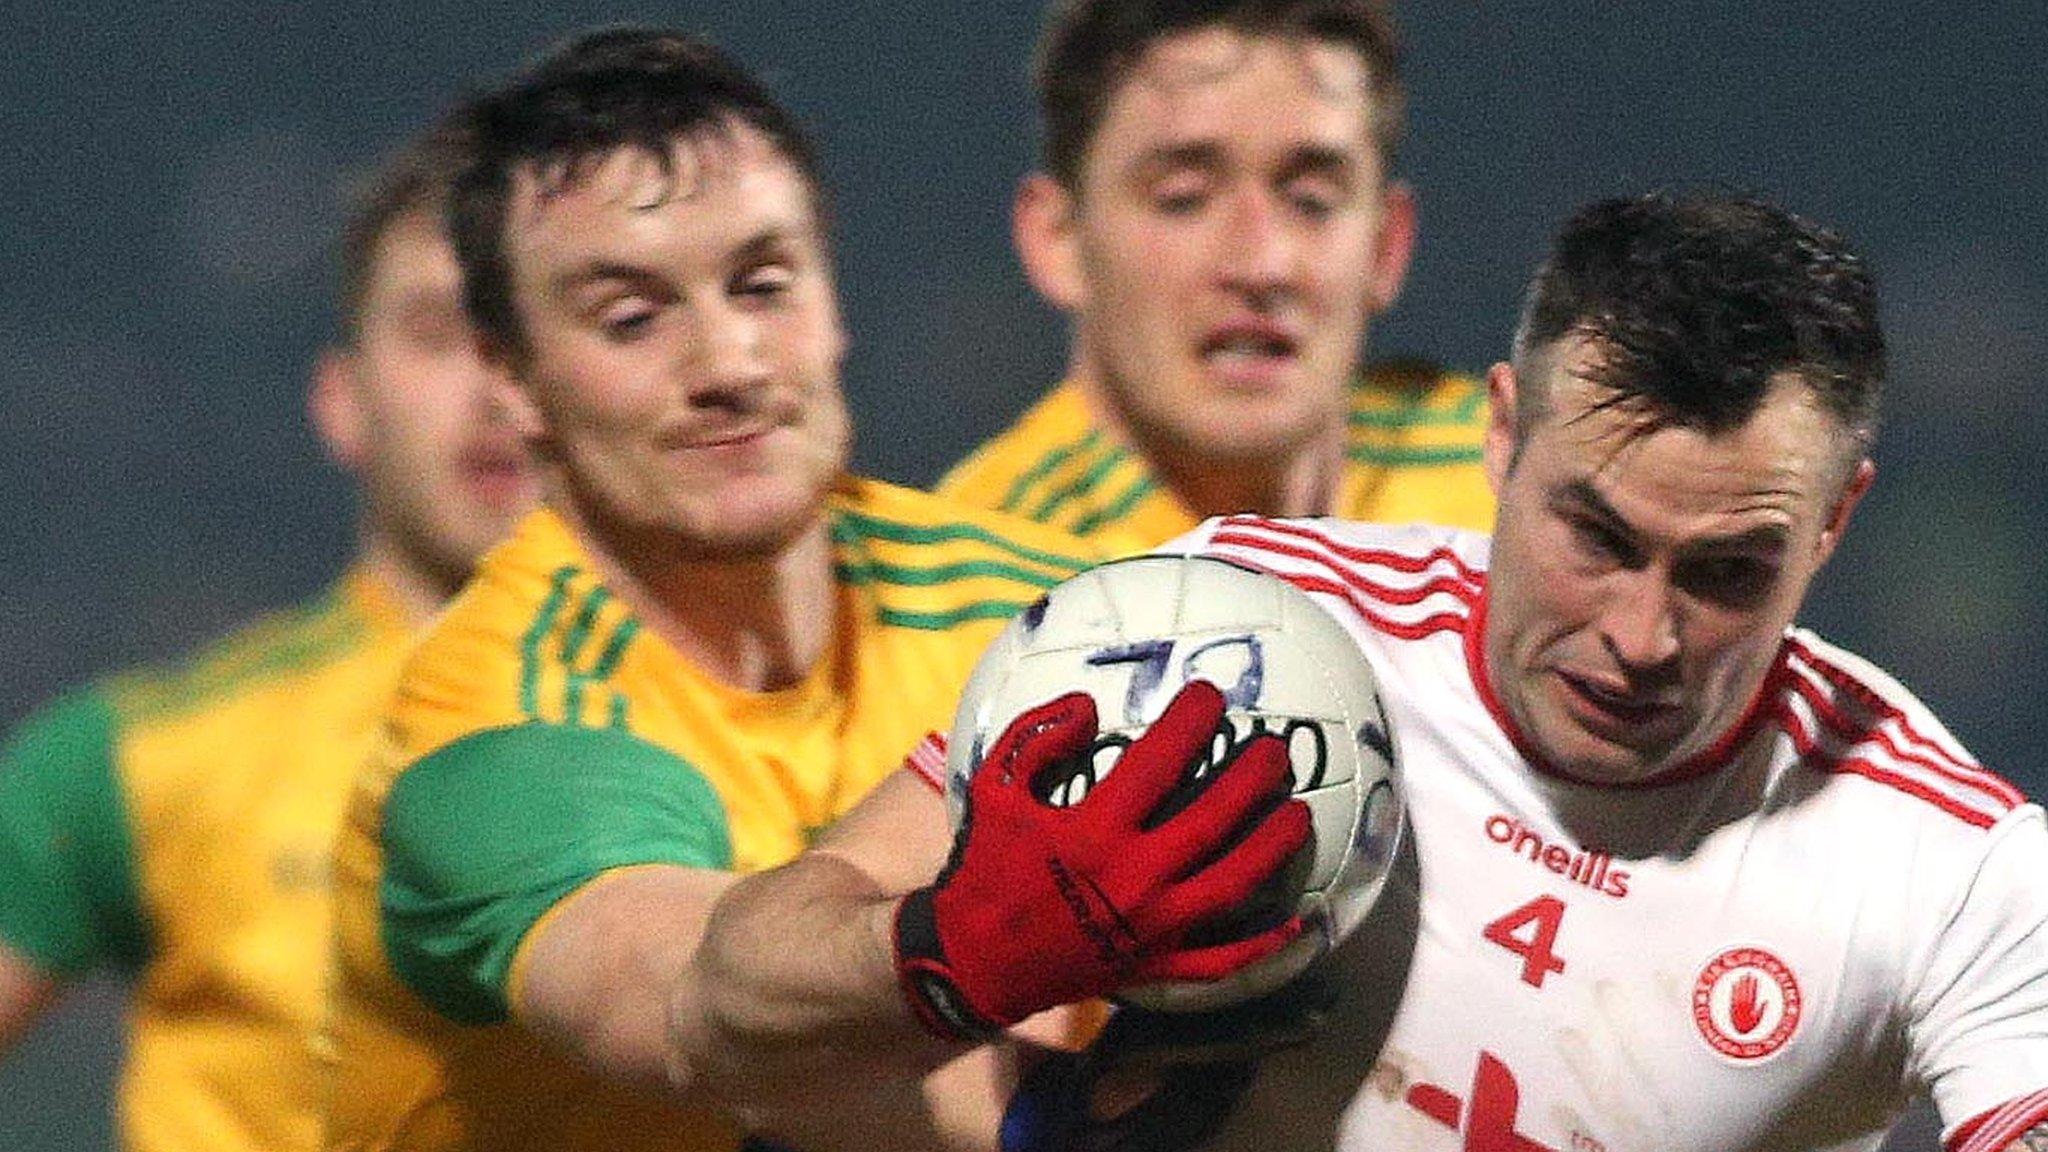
(1746, 1004)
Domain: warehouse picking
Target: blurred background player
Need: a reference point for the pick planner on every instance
(177, 822)
(1218, 217)
(1691, 878)
(706, 647)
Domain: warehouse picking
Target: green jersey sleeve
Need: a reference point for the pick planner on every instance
(482, 837)
(69, 900)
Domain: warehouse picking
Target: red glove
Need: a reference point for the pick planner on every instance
(1040, 906)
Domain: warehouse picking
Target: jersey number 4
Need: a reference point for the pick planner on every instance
(1530, 931)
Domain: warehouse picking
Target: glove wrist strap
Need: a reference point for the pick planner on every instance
(927, 980)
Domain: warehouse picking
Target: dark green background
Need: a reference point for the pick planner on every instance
(169, 175)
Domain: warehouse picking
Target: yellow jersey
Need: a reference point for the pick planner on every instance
(1413, 454)
(541, 737)
(178, 823)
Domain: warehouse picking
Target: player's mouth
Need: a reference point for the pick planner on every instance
(720, 440)
(499, 474)
(1615, 712)
(1249, 353)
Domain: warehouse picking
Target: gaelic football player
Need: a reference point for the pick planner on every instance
(175, 822)
(1218, 217)
(1689, 877)
(708, 645)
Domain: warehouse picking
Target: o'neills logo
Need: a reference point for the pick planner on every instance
(1595, 870)
(1746, 1004)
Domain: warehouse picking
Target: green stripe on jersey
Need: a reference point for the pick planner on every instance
(1081, 486)
(569, 654)
(1116, 509)
(876, 572)
(848, 527)
(544, 618)
(952, 618)
(1417, 456)
(1045, 467)
(1412, 413)
(485, 835)
(69, 898)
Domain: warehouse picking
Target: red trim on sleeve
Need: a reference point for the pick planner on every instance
(927, 761)
(1998, 1129)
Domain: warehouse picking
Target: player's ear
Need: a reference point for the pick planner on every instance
(1838, 517)
(510, 401)
(1042, 227)
(1499, 450)
(1393, 246)
(334, 404)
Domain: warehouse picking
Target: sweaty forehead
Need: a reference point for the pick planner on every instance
(1189, 60)
(1185, 81)
(631, 177)
(722, 179)
(1779, 465)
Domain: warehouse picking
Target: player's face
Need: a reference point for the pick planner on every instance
(683, 345)
(1642, 581)
(412, 409)
(1232, 235)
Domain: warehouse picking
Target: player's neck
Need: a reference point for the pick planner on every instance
(757, 624)
(419, 587)
(1304, 483)
(1301, 481)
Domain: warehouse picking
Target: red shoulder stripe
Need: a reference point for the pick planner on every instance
(1809, 746)
(1399, 629)
(1952, 764)
(927, 761)
(1386, 593)
(2003, 1126)
(1397, 561)
(1847, 729)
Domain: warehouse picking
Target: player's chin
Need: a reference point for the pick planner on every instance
(1597, 755)
(1252, 430)
(751, 521)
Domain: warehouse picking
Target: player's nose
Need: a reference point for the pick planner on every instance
(1257, 249)
(728, 353)
(1639, 622)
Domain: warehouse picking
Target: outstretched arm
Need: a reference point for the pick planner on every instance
(797, 972)
(597, 974)
(791, 1012)
(855, 967)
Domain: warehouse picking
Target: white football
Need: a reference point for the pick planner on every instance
(1130, 633)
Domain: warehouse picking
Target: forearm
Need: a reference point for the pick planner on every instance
(598, 975)
(821, 990)
(794, 990)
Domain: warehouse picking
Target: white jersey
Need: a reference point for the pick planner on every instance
(1838, 909)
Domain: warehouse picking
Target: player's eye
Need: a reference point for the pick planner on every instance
(1731, 581)
(1181, 194)
(1313, 199)
(1597, 540)
(627, 318)
(764, 281)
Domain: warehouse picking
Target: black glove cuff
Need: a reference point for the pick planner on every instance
(927, 980)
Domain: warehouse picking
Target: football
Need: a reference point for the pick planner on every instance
(1130, 633)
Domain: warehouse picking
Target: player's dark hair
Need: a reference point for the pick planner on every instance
(1696, 301)
(617, 88)
(414, 180)
(1088, 48)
